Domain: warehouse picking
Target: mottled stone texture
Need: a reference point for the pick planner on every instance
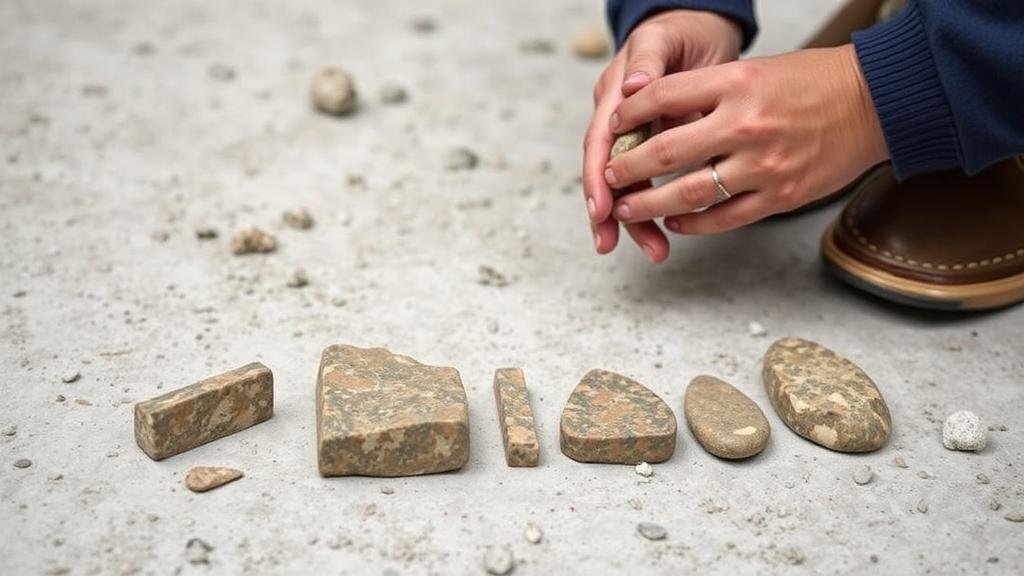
(203, 478)
(724, 420)
(613, 419)
(824, 397)
(515, 417)
(205, 411)
(384, 414)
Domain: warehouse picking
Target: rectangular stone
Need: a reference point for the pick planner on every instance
(516, 418)
(205, 411)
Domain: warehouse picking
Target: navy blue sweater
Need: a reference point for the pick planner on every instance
(946, 76)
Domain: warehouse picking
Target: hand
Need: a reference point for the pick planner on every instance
(672, 41)
(782, 131)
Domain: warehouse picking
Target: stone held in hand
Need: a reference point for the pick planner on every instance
(333, 91)
(613, 419)
(203, 478)
(515, 417)
(824, 397)
(205, 411)
(625, 143)
(964, 431)
(384, 414)
(724, 420)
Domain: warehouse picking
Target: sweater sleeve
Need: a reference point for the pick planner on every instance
(624, 15)
(947, 80)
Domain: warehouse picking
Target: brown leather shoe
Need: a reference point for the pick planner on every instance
(940, 240)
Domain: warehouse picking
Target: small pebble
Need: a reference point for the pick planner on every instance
(253, 240)
(22, 463)
(206, 233)
(423, 24)
(222, 72)
(387, 490)
(644, 469)
(338, 301)
(533, 533)
(1015, 516)
(994, 505)
(333, 91)
(923, 475)
(10, 430)
(591, 43)
(71, 377)
(197, 551)
(298, 279)
(60, 398)
(460, 159)
(498, 560)
(635, 503)
(899, 462)
(963, 430)
(982, 478)
(922, 507)
(757, 329)
(651, 531)
(299, 219)
(393, 94)
(863, 475)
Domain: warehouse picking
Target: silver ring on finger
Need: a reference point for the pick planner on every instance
(723, 193)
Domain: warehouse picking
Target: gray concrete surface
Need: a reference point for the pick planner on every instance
(104, 144)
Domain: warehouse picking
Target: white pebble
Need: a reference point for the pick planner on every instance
(863, 475)
(757, 329)
(963, 430)
(498, 560)
(644, 469)
(533, 534)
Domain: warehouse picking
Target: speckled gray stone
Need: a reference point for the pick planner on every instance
(724, 420)
(963, 430)
(824, 397)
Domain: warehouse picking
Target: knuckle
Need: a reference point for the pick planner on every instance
(664, 151)
(660, 93)
(745, 76)
(724, 219)
(691, 194)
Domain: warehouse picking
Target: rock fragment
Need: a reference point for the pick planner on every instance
(333, 91)
(384, 414)
(206, 233)
(899, 462)
(498, 560)
(862, 475)
(253, 241)
(922, 506)
(387, 490)
(724, 420)
(300, 219)
(393, 94)
(205, 411)
(197, 551)
(652, 531)
(824, 397)
(591, 43)
(982, 478)
(10, 430)
(71, 377)
(488, 276)
(297, 279)
(612, 419)
(644, 469)
(756, 329)
(203, 478)
(422, 23)
(460, 158)
(515, 417)
(533, 533)
(22, 463)
(964, 431)
(1015, 516)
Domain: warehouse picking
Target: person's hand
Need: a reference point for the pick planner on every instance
(671, 41)
(781, 131)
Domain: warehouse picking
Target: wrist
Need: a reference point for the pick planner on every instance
(872, 139)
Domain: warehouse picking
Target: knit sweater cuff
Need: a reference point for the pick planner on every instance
(630, 13)
(908, 95)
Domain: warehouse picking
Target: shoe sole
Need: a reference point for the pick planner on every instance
(977, 296)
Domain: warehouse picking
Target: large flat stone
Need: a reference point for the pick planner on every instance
(824, 397)
(612, 419)
(724, 420)
(515, 417)
(205, 411)
(384, 414)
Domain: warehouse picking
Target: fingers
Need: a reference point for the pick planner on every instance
(606, 235)
(596, 147)
(672, 96)
(729, 215)
(683, 195)
(668, 151)
(651, 240)
(648, 53)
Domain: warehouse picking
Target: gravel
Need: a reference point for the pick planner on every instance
(652, 531)
(862, 475)
(964, 431)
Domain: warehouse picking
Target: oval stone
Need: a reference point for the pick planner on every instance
(724, 420)
(824, 397)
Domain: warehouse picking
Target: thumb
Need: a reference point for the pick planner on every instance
(646, 60)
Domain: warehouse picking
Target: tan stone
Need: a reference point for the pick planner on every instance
(626, 142)
(515, 417)
(724, 420)
(253, 241)
(613, 419)
(591, 43)
(205, 411)
(203, 478)
(333, 91)
(824, 397)
(384, 414)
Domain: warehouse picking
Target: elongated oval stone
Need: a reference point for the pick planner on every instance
(824, 397)
(384, 414)
(612, 419)
(724, 420)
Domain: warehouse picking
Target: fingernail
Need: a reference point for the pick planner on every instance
(614, 121)
(591, 207)
(609, 177)
(649, 251)
(637, 78)
(672, 225)
(597, 241)
(622, 212)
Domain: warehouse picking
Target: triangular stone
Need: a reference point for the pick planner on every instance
(612, 419)
(384, 414)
